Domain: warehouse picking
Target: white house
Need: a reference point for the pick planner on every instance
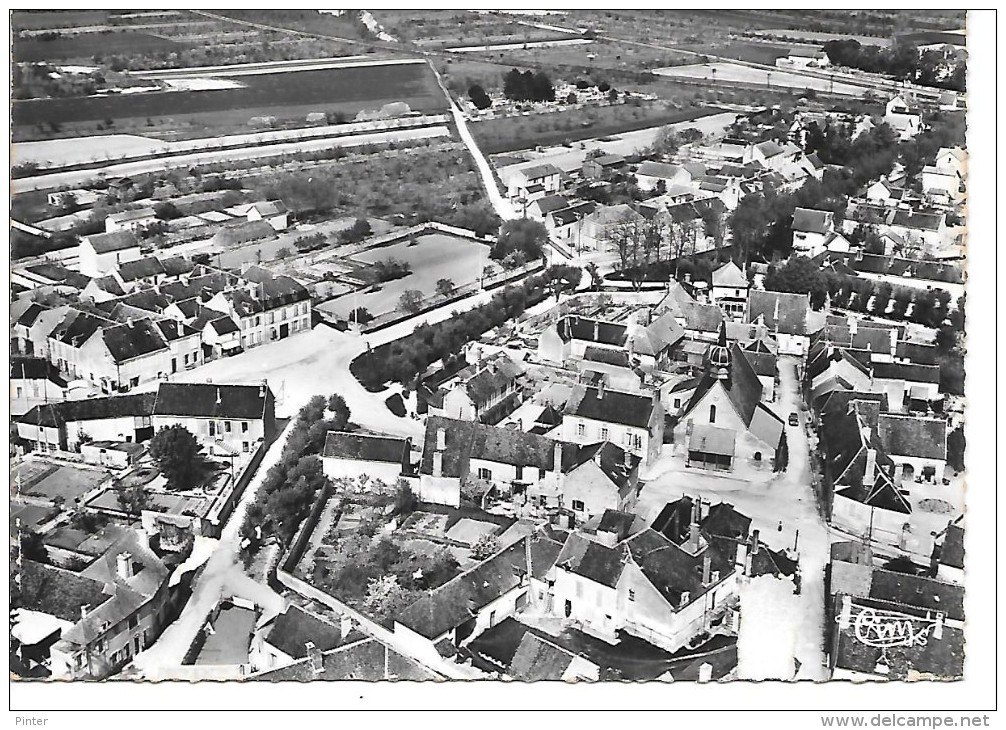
(811, 229)
(730, 290)
(649, 174)
(803, 57)
(527, 183)
(903, 118)
(101, 253)
(633, 421)
(350, 455)
(130, 220)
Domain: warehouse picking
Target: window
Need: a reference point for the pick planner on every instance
(520, 474)
(577, 505)
(258, 321)
(272, 317)
(227, 426)
(542, 500)
(244, 426)
(637, 441)
(133, 621)
(244, 446)
(581, 430)
(541, 474)
(712, 414)
(579, 589)
(19, 392)
(213, 428)
(632, 595)
(604, 433)
(485, 474)
(677, 403)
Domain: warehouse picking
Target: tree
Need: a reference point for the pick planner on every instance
(178, 457)
(133, 500)
(571, 98)
(356, 232)
(612, 96)
(749, 224)
(563, 278)
(485, 547)
(386, 597)
(341, 414)
(799, 275)
(361, 315)
(445, 287)
(167, 210)
(522, 235)
(411, 301)
(666, 143)
(595, 276)
(480, 99)
(405, 499)
(32, 546)
(882, 298)
(902, 298)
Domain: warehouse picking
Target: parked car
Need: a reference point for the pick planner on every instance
(794, 419)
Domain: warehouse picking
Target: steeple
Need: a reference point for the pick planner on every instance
(718, 360)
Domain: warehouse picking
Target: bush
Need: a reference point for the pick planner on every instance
(178, 457)
(395, 404)
(388, 270)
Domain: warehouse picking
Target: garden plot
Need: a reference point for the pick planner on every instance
(736, 73)
(68, 482)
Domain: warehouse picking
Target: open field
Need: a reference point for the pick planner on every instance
(360, 87)
(436, 256)
(46, 19)
(731, 72)
(88, 45)
(754, 52)
(515, 133)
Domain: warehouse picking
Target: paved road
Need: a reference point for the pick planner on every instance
(222, 577)
(79, 178)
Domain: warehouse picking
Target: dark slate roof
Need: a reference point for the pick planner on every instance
(592, 560)
(141, 268)
(465, 440)
(606, 355)
(490, 379)
(952, 550)
(210, 400)
(610, 406)
(573, 213)
(811, 221)
(911, 436)
(674, 519)
(659, 169)
(293, 628)
(110, 285)
(923, 221)
(701, 317)
(618, 522)
(176, 265)
(172, 330)
(941, 658)
(30, 314)
(539, 660)
(907, 371)
(918, 591)
(782, 311)
(917, 353)
(58, 592)
(671, 569)
(611, 459)
(77, 327)
(88, 409)
(108, 242)
(224, 325)
(273, 290)
(574, 327)
(743, 388)
(365, 447)
(551, 203)
(126, 342)
(34, 368)
(455, 602)
(364, 660)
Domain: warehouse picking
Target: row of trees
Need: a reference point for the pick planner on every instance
(528, 86)
(291, 485)
(403, 360)
(903, 61)
(929, 307)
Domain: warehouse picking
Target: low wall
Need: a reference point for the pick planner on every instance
(224, 504)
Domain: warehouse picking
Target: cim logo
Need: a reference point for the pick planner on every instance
(885, 629)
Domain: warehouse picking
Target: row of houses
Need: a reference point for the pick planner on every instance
(164, 324)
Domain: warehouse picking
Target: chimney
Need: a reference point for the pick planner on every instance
(845, 616)
(705, 672)
(754, 542)
(124, 565)
(314, 656)
(438, 463)
(345, 625)
(871, 466)
(597, 330)
(129, 321)
(853, 325)
(557, 458)
(627, 456)
(600, 389)
(83, 611)
(686, 596)
(262, 389)
(707, 565)
(218, 396)
(441, 439)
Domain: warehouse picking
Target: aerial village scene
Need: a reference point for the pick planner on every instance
(402, 345)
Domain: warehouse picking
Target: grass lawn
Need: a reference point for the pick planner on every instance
(42, 19)
(436, 256)
(87, 45)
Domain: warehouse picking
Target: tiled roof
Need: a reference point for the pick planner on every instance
(365, 447)
(911, 436)
(56, 414)
(591, 560)
(364, 660)
(812, 221)
(610, 406)
(34, 368)
(293, 628)
(782, 311)
(539, 660)
(712, 440)
(126, 342)
(210, 400)
(109, 242)
(729, 274)
(456, 601)
(660, 170)
(233, 234)
(907, 371)
(141, 268)
(575, 327)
